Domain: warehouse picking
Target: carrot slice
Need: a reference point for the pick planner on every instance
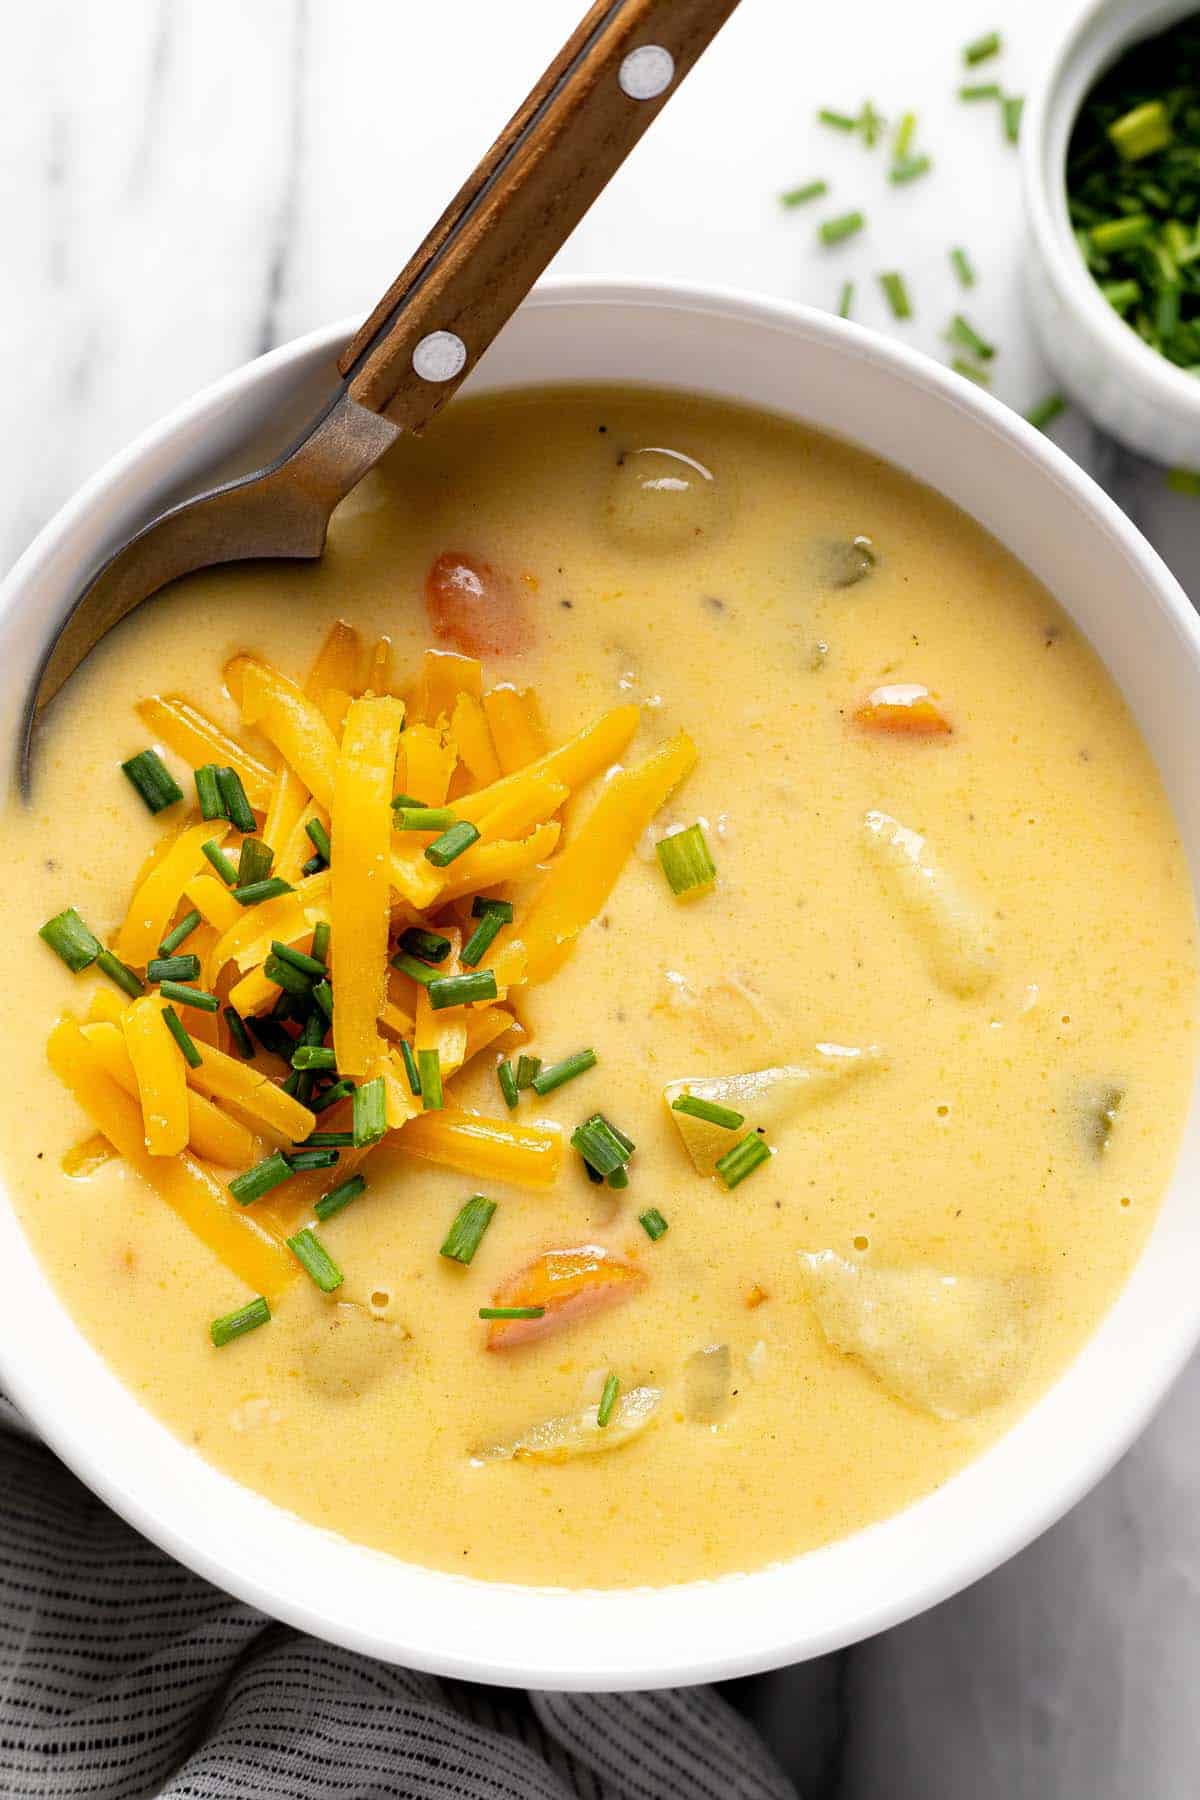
(492, 1149)
(568, 1284)
(153, 905)
(360, 914)
(198, 739)
(516, 726)
(475, 607)
(905, 709)
(582, 756)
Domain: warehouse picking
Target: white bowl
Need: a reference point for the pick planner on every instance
(1103, 364)
(986, 459)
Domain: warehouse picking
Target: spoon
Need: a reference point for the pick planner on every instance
(555, 155)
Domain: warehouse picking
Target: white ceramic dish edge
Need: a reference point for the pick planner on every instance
(944, 430)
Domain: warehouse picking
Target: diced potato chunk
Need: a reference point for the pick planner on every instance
(953, 931)
(349, 1350)
(950, 1345)
(578, 1434)
(766, 1097)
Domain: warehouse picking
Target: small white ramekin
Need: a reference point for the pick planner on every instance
(1103, 365)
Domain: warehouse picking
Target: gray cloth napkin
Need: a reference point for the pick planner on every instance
(122, 1675)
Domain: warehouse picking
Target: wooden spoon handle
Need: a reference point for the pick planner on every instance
(515, 212)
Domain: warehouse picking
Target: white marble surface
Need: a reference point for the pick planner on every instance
(184, 183)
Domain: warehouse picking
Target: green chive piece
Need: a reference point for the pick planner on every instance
(322, 993)
(1121, 295)
(313, 1056)
(466, 1233)
(429, 1068)
(896, 295)
(653, 1223)
(512, 1312)
(208, 792)
(981, 90)
(313, 866)
(961, 331)
(410, 965)
(288, 978)
(253, 1183)
(1013, 107)
(482, 905)
(555, 1075)
(1184, 481)
(370, 1112)
(121, 974)
(461, 990)
(254, 861)
(273, 1038)
(326, 1140)
(423, 818)
(686, 860)
(173, 968)
(962, 267)
(179, 1032)
(799, 196)
(220, 862)
(340, 1196)
(291, 1086)
(314, 1156)
(238, 1032)
(189, 996)
(451, 844)
(430, 946)
(905, 132)
(410, 1067)
(981, 48)
(708, 1110)
(527, 1068)
(617, 1178)
(255, 892)
(178, 933)
(600, 1145)
(341, 1090)
(322, 932)
(911, 168)
(608, 1400)
(480, 939)
(1141, 131)
(971, 371)
(319, 838)
(743, 1159)
(307, 965)
(241, 813)
(508, 1083)
(839, 121)
(315, 1260)
(153, 780)
(845, 300)
(870, 125)
(69, 937)
(237, 1324)
(846, 225)
(1046, 411)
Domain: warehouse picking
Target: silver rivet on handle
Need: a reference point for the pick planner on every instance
(439, 356)
(647, 72)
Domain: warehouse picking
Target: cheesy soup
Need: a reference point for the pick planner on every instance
(618, 1028)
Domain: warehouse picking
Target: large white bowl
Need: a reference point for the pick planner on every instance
(983, 457)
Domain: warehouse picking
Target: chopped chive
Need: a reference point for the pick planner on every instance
(961, 331)
(410, 1067)
(238, 1032)
(905, 132)
(340, 1196)
(429, 1067)
(430, 946)
(322, 932)
(1184, 481)
(686, 861)
(423, 818)
(593, 1175)
(313, 866)
(798, 196)
(1013, 107)
(220, 862)
(341, 1090)
(120, 973)
(407, 800)
(69, 937)
(319, 838)
(1121, 295)
(708, 1110)
(178, 933)
(291, 1086)
(480, 939)
(508, 1083)
(554, 1075)
(743, 1159)
(173, 968)
(981, 90)
(870, 124)
(527, 1068)
(981, 48)
(254, 861)
(846, 225)
(241, 814)
(461, 990)
(411, 965)
(909, 168)
(608, 1400)
(313, 1056)
(483, 905)
(971, 371)
(1141, 132)
(179, 1032)
(288, 978)
(253, 1183)
(839, 121)
(322, 993)
(315, 1260)
(618, 1178)
(307, 965)
(237, 1324)
(255, 892)
(208, 792)
(512, 1312)
(653, 1223)
(451, 844)
(466, 1233)
(271, 1036)
(314, 1156)
(598, 1144)
(845, 299)
(153, 780)
(896, 295)
(189, 996)
(370, 1112)
(962, 267)
(326, 1140)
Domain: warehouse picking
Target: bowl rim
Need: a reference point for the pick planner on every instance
(1046, 194)
(773, 1637)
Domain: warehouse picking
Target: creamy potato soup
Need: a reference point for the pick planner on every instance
(773, 902)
